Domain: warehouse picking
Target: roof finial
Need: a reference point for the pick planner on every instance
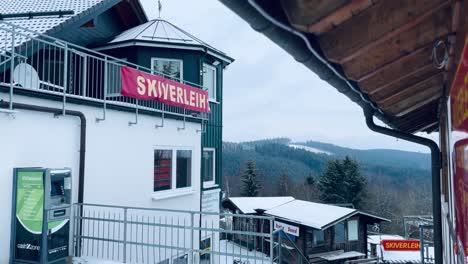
(159, 8)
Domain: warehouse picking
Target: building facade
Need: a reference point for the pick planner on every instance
(61, 103)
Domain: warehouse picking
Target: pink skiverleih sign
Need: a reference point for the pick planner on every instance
(143, 86)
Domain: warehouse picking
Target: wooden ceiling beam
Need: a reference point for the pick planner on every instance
(339, 16)
(431, 129)
(418, 125)
(414, 119)
(460, 26)
(392, 34)
(414, 90)
(396, 70)
(413, 103)
(412, 116)
(376, 25)
(427, 127)
(431, 30)
(406, 80)
(302, 13)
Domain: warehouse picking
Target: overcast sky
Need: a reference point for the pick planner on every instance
(266, 92)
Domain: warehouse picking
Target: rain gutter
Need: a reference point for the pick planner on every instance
(435, 171)
(59, 111)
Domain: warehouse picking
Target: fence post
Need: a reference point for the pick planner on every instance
(192, 236)
(272, 241)
(12, 65)
(125, 236)
(421, 242)
(105, 91)
(65, 78)
(78, 219)
(280, 246)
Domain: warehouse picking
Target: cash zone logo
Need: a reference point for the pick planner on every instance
(28, 247)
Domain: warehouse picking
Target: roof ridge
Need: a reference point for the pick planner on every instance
(150, 24)
(294, 199)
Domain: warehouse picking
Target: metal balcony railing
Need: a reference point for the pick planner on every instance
(148, 235)
(35, 62)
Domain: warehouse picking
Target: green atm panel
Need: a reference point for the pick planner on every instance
(41, 215)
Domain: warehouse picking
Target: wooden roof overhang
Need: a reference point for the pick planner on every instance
(385, 49)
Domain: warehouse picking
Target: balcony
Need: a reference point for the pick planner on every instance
(33, 63)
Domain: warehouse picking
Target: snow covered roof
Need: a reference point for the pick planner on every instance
(46, 16)
(248, 205)
(377, 239)
(315, 215)
(163, 32)
(42, 24)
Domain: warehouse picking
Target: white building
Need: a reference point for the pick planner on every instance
(67, 110)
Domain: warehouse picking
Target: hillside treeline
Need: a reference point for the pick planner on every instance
(392, 189)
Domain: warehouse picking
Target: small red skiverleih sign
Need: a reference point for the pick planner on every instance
(401, 245)
(144, 86)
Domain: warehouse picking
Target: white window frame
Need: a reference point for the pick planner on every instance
(212, 182)
(174, 191)
(214, 97)
(153, 59)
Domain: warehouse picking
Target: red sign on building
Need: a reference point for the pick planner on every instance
(145, 86)
(459, 94)
(459, 143)
(401, 245)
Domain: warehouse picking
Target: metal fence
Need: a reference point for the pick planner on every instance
(40, 63)
(144, 235)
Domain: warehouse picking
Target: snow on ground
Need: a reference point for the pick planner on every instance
(88, 260)
(310, 149)
(226, 247)
(249, 257)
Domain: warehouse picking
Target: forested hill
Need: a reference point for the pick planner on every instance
(298, 160)
(398, 183)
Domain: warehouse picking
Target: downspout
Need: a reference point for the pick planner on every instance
(436, 166)
(59, 111)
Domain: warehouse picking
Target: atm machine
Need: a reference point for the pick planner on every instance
(40, 215)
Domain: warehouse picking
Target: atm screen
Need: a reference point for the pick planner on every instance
(57, 188)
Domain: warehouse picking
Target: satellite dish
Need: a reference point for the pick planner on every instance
(26, 76)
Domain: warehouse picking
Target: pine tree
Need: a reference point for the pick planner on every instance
(250, 184)
(284, 185)
(342, 182)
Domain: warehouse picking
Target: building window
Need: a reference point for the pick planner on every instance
(205, 247)
(209, 80)
(340, 233)
(209, 166)
(162, 170)
(319, 237)
(184, 168)
(168, 68)
(353, 230)
(172, 173)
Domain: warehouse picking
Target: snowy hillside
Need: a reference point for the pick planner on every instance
(310, 149)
